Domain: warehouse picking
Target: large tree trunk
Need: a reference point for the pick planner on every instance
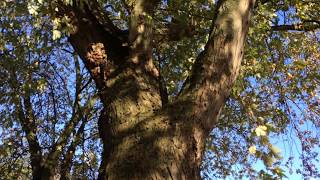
(141, 138)
(164, 145)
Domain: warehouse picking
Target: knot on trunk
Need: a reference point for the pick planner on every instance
(96, 54)
(97, 58)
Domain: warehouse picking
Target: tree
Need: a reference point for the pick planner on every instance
(39, 107)
(134, 120)
(154, 125)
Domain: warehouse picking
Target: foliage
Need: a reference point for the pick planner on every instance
(36, 69)
(276, 94)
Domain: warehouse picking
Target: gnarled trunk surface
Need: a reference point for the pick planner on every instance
(158, 145)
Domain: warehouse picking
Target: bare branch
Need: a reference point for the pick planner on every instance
(297, 27)
(67, 161)
(26, 118)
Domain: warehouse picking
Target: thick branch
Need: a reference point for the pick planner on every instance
(94, 12)
(101, 45)
(28, 126)
(216, 68)
(141, 30)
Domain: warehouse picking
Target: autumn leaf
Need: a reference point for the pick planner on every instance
(261, 131)
(252, 149)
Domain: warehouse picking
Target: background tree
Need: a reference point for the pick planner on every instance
(161, 97)
(43, 111)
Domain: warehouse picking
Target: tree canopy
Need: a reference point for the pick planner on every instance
(49, 105)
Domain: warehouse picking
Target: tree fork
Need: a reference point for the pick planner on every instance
(143, 140)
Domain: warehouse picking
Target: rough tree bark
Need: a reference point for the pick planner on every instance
(141, 138)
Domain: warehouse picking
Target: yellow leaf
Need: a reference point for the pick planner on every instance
(252, 149)
(260, 119)
(32, 8)
(56, 34)
(275, 151)
(261, 130)
(289, 75)
(42, 85)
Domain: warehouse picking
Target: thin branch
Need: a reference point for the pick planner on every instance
(296, 27)
(67, 162)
